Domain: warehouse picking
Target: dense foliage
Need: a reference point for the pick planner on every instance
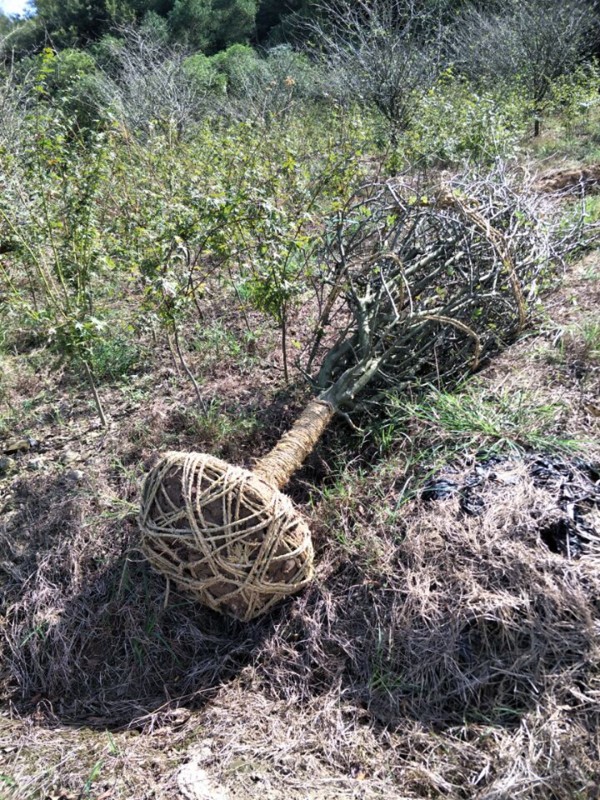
(209, 24)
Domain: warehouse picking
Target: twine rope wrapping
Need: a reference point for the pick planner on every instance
(277, 467)
(224, 534)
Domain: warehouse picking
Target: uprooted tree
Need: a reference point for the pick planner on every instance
(415, 288)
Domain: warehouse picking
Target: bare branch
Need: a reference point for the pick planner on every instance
(434, 281)
(377, 53)
(533, 42)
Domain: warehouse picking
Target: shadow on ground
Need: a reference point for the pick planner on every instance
(433, 615)
(89, 635)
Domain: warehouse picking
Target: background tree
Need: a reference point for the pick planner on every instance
(235, 20)
(533, 42)
(377, 53)
(71, 22)
(150, 84)
(274, 18)
(192, 21)
(5, 25)
(202, 24)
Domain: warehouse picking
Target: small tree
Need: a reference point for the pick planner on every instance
(267, 87)
(378, 53)
(418, 289)
(51, 224)
(533, 42)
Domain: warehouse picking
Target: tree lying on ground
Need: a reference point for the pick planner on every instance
(418, 288)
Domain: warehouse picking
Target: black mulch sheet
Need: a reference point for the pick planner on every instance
(574, 484)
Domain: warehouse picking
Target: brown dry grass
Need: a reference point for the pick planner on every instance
(437, 654)
(577, 180)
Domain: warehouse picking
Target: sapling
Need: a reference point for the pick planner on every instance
(51, 222)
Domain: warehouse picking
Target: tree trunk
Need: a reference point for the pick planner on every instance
(96, 396)
(277, 467)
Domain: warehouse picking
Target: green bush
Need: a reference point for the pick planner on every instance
(575, 96)
(241, 66)
(456, 123)
(57, 72)
(106, 52)
(67, 78)
(204, 74)
(114, 356)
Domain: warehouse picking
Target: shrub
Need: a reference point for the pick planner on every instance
(456, 123)
(204, 74)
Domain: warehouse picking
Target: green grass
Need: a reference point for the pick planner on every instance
(219, 426)
(591, 208)
(216, 344)
(383, 677)
(474, 419)
(578, 342)
(590, 337)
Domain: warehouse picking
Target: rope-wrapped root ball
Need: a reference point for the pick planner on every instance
(228, 535)
(420, 292)
(224, 534)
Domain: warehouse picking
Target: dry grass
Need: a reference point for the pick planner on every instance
(437, 655)
(577, 180)
(462, 662)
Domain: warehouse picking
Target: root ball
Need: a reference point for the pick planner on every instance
(223, 534)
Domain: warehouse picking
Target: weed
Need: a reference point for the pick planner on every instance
(7, 780)
(590, 336)
(218, 426)
(591, 209)
(94, 775)
(133, 392)
(216, 343)
(472, 419)
(592, 272)
(113, 747)
(577, 346)
(113, 358)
